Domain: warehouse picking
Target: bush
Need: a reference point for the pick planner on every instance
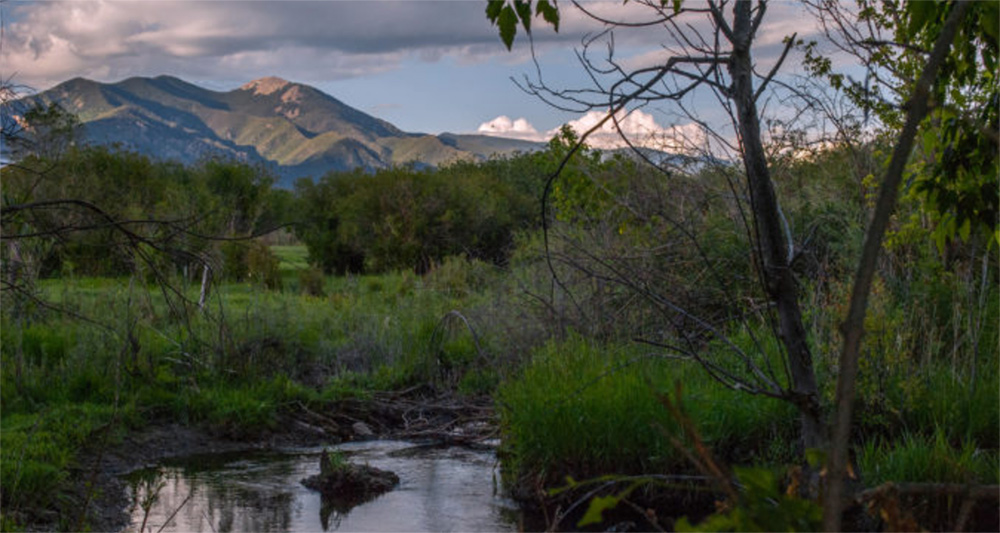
(263, 266)
(234, 260)
(311, 282)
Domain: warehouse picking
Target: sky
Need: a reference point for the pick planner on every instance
(428, 66)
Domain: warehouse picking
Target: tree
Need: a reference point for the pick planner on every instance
(954, 178)
(933, 80)
(711, 50)
(918, 106)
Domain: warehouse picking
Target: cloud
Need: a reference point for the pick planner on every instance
(48, 42)
(503, 126)
(639, 127)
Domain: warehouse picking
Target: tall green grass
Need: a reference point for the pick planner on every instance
(235, 367)
(38, 453)
(917, 457)
(585, 408)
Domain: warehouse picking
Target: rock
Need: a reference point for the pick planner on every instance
(362, 430)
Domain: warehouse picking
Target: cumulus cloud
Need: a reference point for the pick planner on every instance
(503, 126)
(639, 127)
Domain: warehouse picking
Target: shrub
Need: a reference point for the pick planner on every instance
(263, 266)
(311, 282)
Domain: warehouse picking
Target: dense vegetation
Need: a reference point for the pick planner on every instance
(351, 294)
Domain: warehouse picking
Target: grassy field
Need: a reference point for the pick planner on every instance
(567, 404)
(294, 257)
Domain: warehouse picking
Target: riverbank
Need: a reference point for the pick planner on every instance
(101, 493)
(267, 369)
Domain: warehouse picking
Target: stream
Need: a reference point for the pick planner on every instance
(440, 489)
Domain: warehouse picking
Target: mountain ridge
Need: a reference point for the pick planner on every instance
(298, 129)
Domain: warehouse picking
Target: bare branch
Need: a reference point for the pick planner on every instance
(774, 70)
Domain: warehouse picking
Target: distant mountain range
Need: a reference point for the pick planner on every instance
(298, 129)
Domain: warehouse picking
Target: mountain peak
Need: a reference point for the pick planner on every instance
(264, 86)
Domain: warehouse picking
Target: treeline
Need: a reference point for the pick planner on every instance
(409, 219)
(91, 210)
(87, 203)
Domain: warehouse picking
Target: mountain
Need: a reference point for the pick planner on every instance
(298, 129)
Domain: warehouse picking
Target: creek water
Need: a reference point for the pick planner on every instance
(440, 489)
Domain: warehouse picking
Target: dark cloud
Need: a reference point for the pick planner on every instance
(51, 41)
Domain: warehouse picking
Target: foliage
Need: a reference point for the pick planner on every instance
(761, 506)
(404, 218)
(953, 178)
(251, 261)
(50, 130)
(311, 281)
(927, 458)
(178, 210)
(506, 14)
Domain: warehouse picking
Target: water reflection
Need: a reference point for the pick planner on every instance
(440, 489)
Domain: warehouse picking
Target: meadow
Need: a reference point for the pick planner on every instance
(463, 303)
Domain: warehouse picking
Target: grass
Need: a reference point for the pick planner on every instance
(276, 349)
(568, 405)
(38, 452)
(583, 408)
(586, 409)
(927, 458)
(293, 257)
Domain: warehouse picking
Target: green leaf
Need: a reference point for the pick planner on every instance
(597, 506)
(549, 13)
(507, 22)
(920, 14)
(493, 8)
(989, 19)
(965, 229)
(716, 522)
(677, 6)
(760, 483)
(523, 8)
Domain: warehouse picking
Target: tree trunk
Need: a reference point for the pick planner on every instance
(205, 279)
(773, 246)
(853, 327)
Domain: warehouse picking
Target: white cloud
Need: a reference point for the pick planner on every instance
(639, 127)
(503, 126)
